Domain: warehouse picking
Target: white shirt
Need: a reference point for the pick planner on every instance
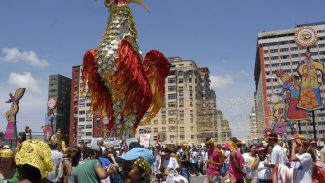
(304, 169)
(57, 172)
(203, 155)
(263, 173)
(278, 155)
(194, 157)
(227, 154)
(171, 163)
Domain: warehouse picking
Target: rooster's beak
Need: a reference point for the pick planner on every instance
(141, 3)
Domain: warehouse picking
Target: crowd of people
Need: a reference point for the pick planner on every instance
(296, 160)
(271, 160)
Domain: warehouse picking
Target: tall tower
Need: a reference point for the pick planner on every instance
(59, 94)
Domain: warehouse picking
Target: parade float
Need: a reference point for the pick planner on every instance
(123, 85)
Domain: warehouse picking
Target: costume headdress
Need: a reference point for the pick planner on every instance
(37, 154)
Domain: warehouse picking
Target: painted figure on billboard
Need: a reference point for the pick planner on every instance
(310, 98)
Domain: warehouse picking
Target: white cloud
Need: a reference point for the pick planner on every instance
(25, 80)
(242, 73)
(30, 57)
(221, 82)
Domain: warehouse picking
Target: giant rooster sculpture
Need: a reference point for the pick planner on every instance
(122, 84)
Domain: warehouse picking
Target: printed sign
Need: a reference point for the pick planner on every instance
(145, 140)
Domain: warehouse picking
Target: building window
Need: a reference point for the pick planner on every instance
(171, 88)
(82, 112)
(171, 80)
(181, 129)
(81, 119)
(171, 104)
(284, 49)
(89, 126)
(155, 130)
(181, 114)
(89, 133)
(180, 81)
(274, 58)
(163, 129)
(171, 96)
(172, 112)
(171, 121)
(172, 129)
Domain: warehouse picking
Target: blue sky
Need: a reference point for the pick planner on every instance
(42, 37)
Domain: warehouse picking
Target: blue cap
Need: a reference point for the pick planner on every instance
(137, 153)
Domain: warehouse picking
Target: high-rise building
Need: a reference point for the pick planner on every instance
(59, 94)
(278, 50)
(189, 113)
(84, 124)
(253, 126)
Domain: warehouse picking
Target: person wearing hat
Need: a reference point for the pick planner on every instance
(8, 172)
(214, 162)
(313, 146)
(184, 161)
(227, 157)
(236, 173)
(278, 154)
(58, 137)
(304, 160)
(33, 161)
(263, 173)
(167, 163)
(136, 165)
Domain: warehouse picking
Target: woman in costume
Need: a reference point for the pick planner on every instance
(310, 98)
(8, 172)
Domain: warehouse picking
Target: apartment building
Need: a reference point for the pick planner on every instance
(189, 113)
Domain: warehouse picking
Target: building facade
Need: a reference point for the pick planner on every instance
(277, 50)
(189, 113)
(59, 91)
(254, 128)
(84, 124)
